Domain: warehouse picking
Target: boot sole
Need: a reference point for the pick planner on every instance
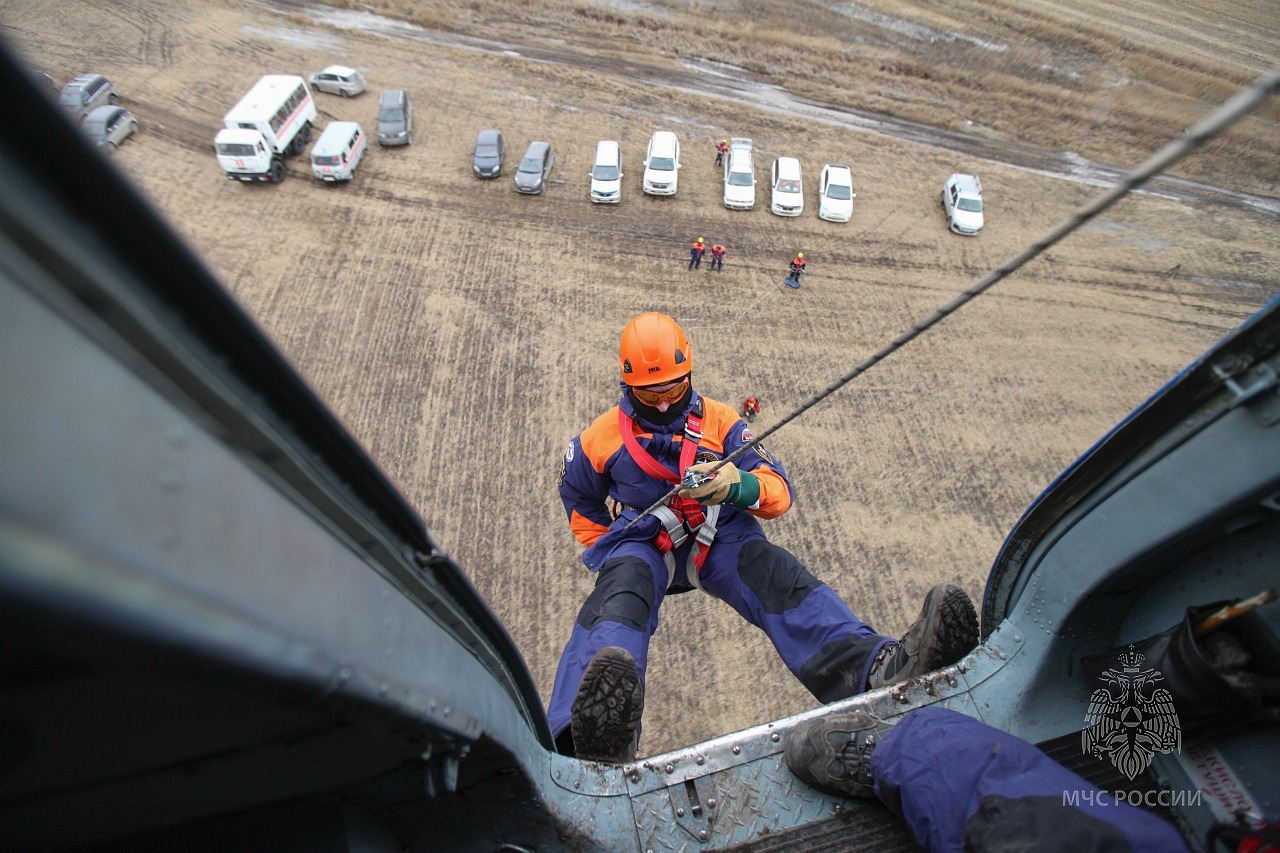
(605, 718)
(950, 605)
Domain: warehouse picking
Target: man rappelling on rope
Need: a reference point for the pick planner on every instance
(706, 537)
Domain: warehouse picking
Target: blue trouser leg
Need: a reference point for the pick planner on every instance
(622, 611)
(960, 784)
(814, 632)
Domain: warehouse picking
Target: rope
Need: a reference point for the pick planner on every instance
(1234, 109)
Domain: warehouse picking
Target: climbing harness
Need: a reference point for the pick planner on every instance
(680, 517)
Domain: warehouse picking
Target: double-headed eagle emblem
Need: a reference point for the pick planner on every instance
(1131, 718)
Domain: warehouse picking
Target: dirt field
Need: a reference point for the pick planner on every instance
(464, 333)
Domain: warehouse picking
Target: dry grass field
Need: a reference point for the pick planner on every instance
(464, 333)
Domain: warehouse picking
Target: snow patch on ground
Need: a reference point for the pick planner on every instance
(298, 37)
(917, 32)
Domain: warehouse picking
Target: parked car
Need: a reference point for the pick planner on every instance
(339, 80)
(606, 173)
(531, 175)
(739, 175)
(962, 203)
(395, 118)
(788, 187)
(486, 162)
(662, 164)
(109, 125)
(85, 92)
(835, 193)
(338, 151)
(44, 83)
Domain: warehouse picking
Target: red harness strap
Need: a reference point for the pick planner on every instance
(687, 509)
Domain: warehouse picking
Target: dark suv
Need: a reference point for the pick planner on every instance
(85, 92)
(487, 160)
(395, 118)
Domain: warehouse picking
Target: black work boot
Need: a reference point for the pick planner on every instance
(833, 753)
(605, 716)
(946, 631)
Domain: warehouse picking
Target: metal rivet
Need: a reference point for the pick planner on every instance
(702, 836)
(702, 760)
(737, 750)
(679, 812)
(775, 737)
(711, 804)
(670, 768)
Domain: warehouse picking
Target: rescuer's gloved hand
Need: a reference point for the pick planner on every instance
(729, 485)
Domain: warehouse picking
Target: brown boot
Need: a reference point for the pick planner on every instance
(833, 753)
(946, 631)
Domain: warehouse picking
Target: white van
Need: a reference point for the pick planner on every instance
(662, 164)
(606, 173)
(788, 187)
(338, 151)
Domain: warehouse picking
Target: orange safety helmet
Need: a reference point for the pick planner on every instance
(654, 351)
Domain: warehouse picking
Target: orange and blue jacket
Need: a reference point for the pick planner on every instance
(599, 468)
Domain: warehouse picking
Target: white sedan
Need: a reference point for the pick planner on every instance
(835, 193)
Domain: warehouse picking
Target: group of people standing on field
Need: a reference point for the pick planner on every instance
(698, 250)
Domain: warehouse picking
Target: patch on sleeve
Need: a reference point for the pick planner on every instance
(764, 454)
(564, 466)
(747, 437)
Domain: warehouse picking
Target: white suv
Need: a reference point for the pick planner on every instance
(739, 176)
(788, 187)
(835, 193)
(962, 202)
(662, 164)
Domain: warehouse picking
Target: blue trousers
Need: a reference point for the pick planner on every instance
(814, 632)
(961, 785)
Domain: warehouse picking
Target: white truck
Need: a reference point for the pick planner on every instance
(272, 121)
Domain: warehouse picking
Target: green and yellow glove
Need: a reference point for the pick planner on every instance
(729, 485)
